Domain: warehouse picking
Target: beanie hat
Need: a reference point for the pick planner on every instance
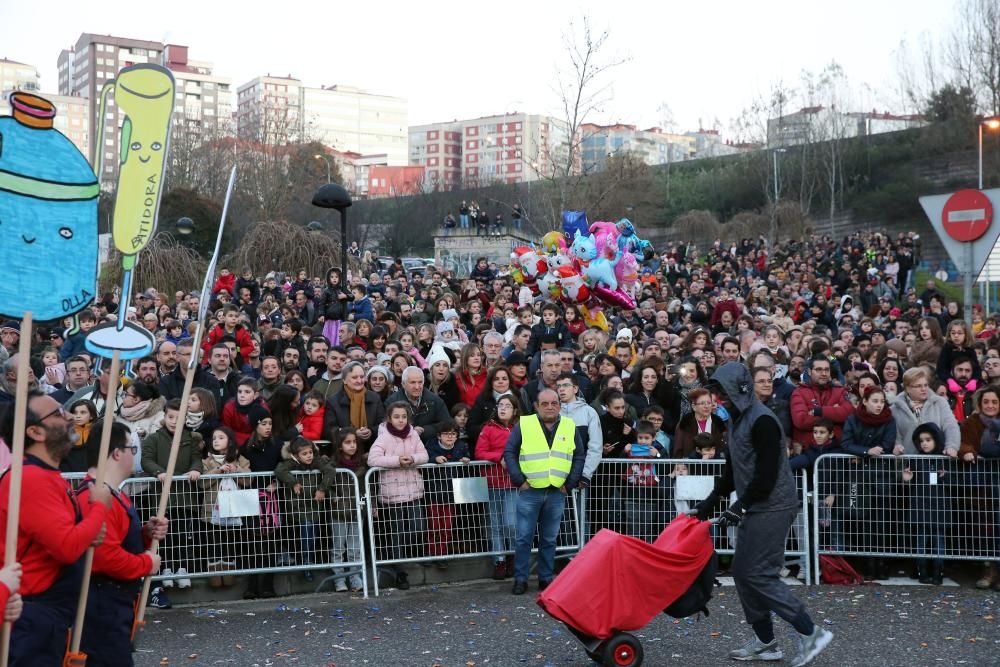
(389, 377)
(445, 326)
(437, 354)
(257, 414)
(897, 346)
(449, 313)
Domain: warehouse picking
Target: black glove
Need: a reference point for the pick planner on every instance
(732, 516)
(706, 508)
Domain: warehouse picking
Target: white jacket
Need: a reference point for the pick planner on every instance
(585, 417)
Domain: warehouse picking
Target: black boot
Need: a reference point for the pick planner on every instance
(923, 573)
(938, 577)
(882, 569)
(253, 587)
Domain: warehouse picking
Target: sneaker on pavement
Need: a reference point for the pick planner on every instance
(356, 584)
(168, 582)
(182, 578)
(812, 645)
(340, 586)
(755, 649)
(158, 598)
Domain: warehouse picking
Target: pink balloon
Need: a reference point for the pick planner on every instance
(618, 297)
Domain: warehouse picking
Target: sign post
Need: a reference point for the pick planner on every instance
(964, 222)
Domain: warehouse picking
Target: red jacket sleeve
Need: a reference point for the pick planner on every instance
(211, 339)
(802, 416)
(110, 559)
(245, 343)
(839, 413)
(45, 521)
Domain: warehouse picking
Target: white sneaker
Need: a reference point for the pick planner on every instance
(182, 579)
(340, 586)
(167, 583)
(812, 645)
(755, 649)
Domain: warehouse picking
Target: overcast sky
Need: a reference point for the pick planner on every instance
(706, 59)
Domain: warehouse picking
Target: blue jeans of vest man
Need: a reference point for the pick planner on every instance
(541, 509)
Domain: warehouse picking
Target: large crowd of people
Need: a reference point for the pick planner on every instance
(404, 372)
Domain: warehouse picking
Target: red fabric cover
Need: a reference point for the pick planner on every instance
(619, 583)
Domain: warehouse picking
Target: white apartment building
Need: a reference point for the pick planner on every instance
(818, 123)
(18, 76)
(204, 99)
(344, 118)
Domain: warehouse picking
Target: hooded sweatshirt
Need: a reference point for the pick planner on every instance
(588, 424)
(757, 467)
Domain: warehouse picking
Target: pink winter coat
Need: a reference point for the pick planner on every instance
(396, 484)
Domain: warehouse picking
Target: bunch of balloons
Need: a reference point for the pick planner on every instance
(593, 270)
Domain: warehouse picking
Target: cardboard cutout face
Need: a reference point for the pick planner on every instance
(48, 215)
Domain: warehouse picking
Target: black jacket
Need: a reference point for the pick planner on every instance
(338, 415)
(428, 415)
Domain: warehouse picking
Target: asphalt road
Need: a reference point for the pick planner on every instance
(480, 623)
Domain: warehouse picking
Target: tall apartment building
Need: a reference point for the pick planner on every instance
(438, 149)
(504, 148)
(72, 113)
(818, 123)
(203, 99)
(343, 118)
(84, 68)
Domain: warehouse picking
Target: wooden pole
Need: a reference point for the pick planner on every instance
(175, 444)
(74, 657)
(16, 464)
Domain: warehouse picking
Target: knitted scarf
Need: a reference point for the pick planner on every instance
(135, 412)
(868, 419)
(359, 417)
(194, 420)
(400, 433)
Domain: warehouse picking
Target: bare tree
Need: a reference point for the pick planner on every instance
(973, 51)
(583, 88)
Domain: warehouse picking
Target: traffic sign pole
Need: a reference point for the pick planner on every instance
(967, 297)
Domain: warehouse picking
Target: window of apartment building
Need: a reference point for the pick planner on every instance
(433, 134)
(472, 131)
(208, 85)
(432, 162)
(471, 145)
(432, 148)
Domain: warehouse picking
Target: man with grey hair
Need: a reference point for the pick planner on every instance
(492, 348)
(551, 369)
(8, 383)
(429, 411)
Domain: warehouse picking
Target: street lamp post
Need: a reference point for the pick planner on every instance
(777, 193)
(322, 157)
(333, 195)
(992, 124)
(775, 155)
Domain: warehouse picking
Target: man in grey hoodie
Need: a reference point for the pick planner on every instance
(588, 425)
(757, 469)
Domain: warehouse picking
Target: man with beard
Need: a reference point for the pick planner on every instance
(52, 536)
(316, 350)
(757, 470)
(146, 371)
(166, 357)
(290, 359)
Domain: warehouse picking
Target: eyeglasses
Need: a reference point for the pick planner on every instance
(58, 411)
(132, 448)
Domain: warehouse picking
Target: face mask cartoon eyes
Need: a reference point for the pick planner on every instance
(135, 145)
(156, 145)
(66, 232)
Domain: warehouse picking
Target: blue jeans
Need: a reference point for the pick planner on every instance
(463, 221)
(503, 515)
(541, 509)
(307, 535)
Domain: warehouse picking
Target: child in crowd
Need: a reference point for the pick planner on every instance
(460, 415)
(655, 415)
(222, 534)
(74, 345)
(445, 448)
(84, 415)
(401, 488)
(927, 485)
(705, 449)
(236, 411)
(308, 480)
(310, 423)
(53, 373)
(176, 332)
(345, 536)
(958, 342)
(264, 454)
(503, 496)
(642, 504)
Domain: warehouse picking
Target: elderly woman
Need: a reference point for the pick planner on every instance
(701, 419)
(917, 405)
(354, 406)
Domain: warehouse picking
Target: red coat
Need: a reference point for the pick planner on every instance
(833, 400)
(47, 525)
(243, 341)
(489, 447)
(227, 283)
(110, 559)
(238, 421)
(469, 388)
(312, 425)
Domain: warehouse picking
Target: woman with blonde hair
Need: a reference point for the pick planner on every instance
(917, 405)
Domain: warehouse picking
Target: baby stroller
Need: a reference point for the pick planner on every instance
(617, 584)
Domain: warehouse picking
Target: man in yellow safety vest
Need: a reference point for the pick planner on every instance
(544, 456)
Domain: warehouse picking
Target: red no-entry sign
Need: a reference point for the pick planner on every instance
(967, 215)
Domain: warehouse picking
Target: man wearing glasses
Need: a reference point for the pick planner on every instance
(819, 398)
(121, 561)
(52, 534)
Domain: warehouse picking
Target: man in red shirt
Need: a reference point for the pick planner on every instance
(52, 535)
(121, 561)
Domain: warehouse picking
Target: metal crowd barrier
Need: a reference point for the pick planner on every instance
(267, 529)
(639, 497)
(925, 507)
(441, 512)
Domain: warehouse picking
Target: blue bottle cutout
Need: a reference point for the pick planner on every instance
(48, 215)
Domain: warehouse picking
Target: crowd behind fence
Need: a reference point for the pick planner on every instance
(923, 507)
